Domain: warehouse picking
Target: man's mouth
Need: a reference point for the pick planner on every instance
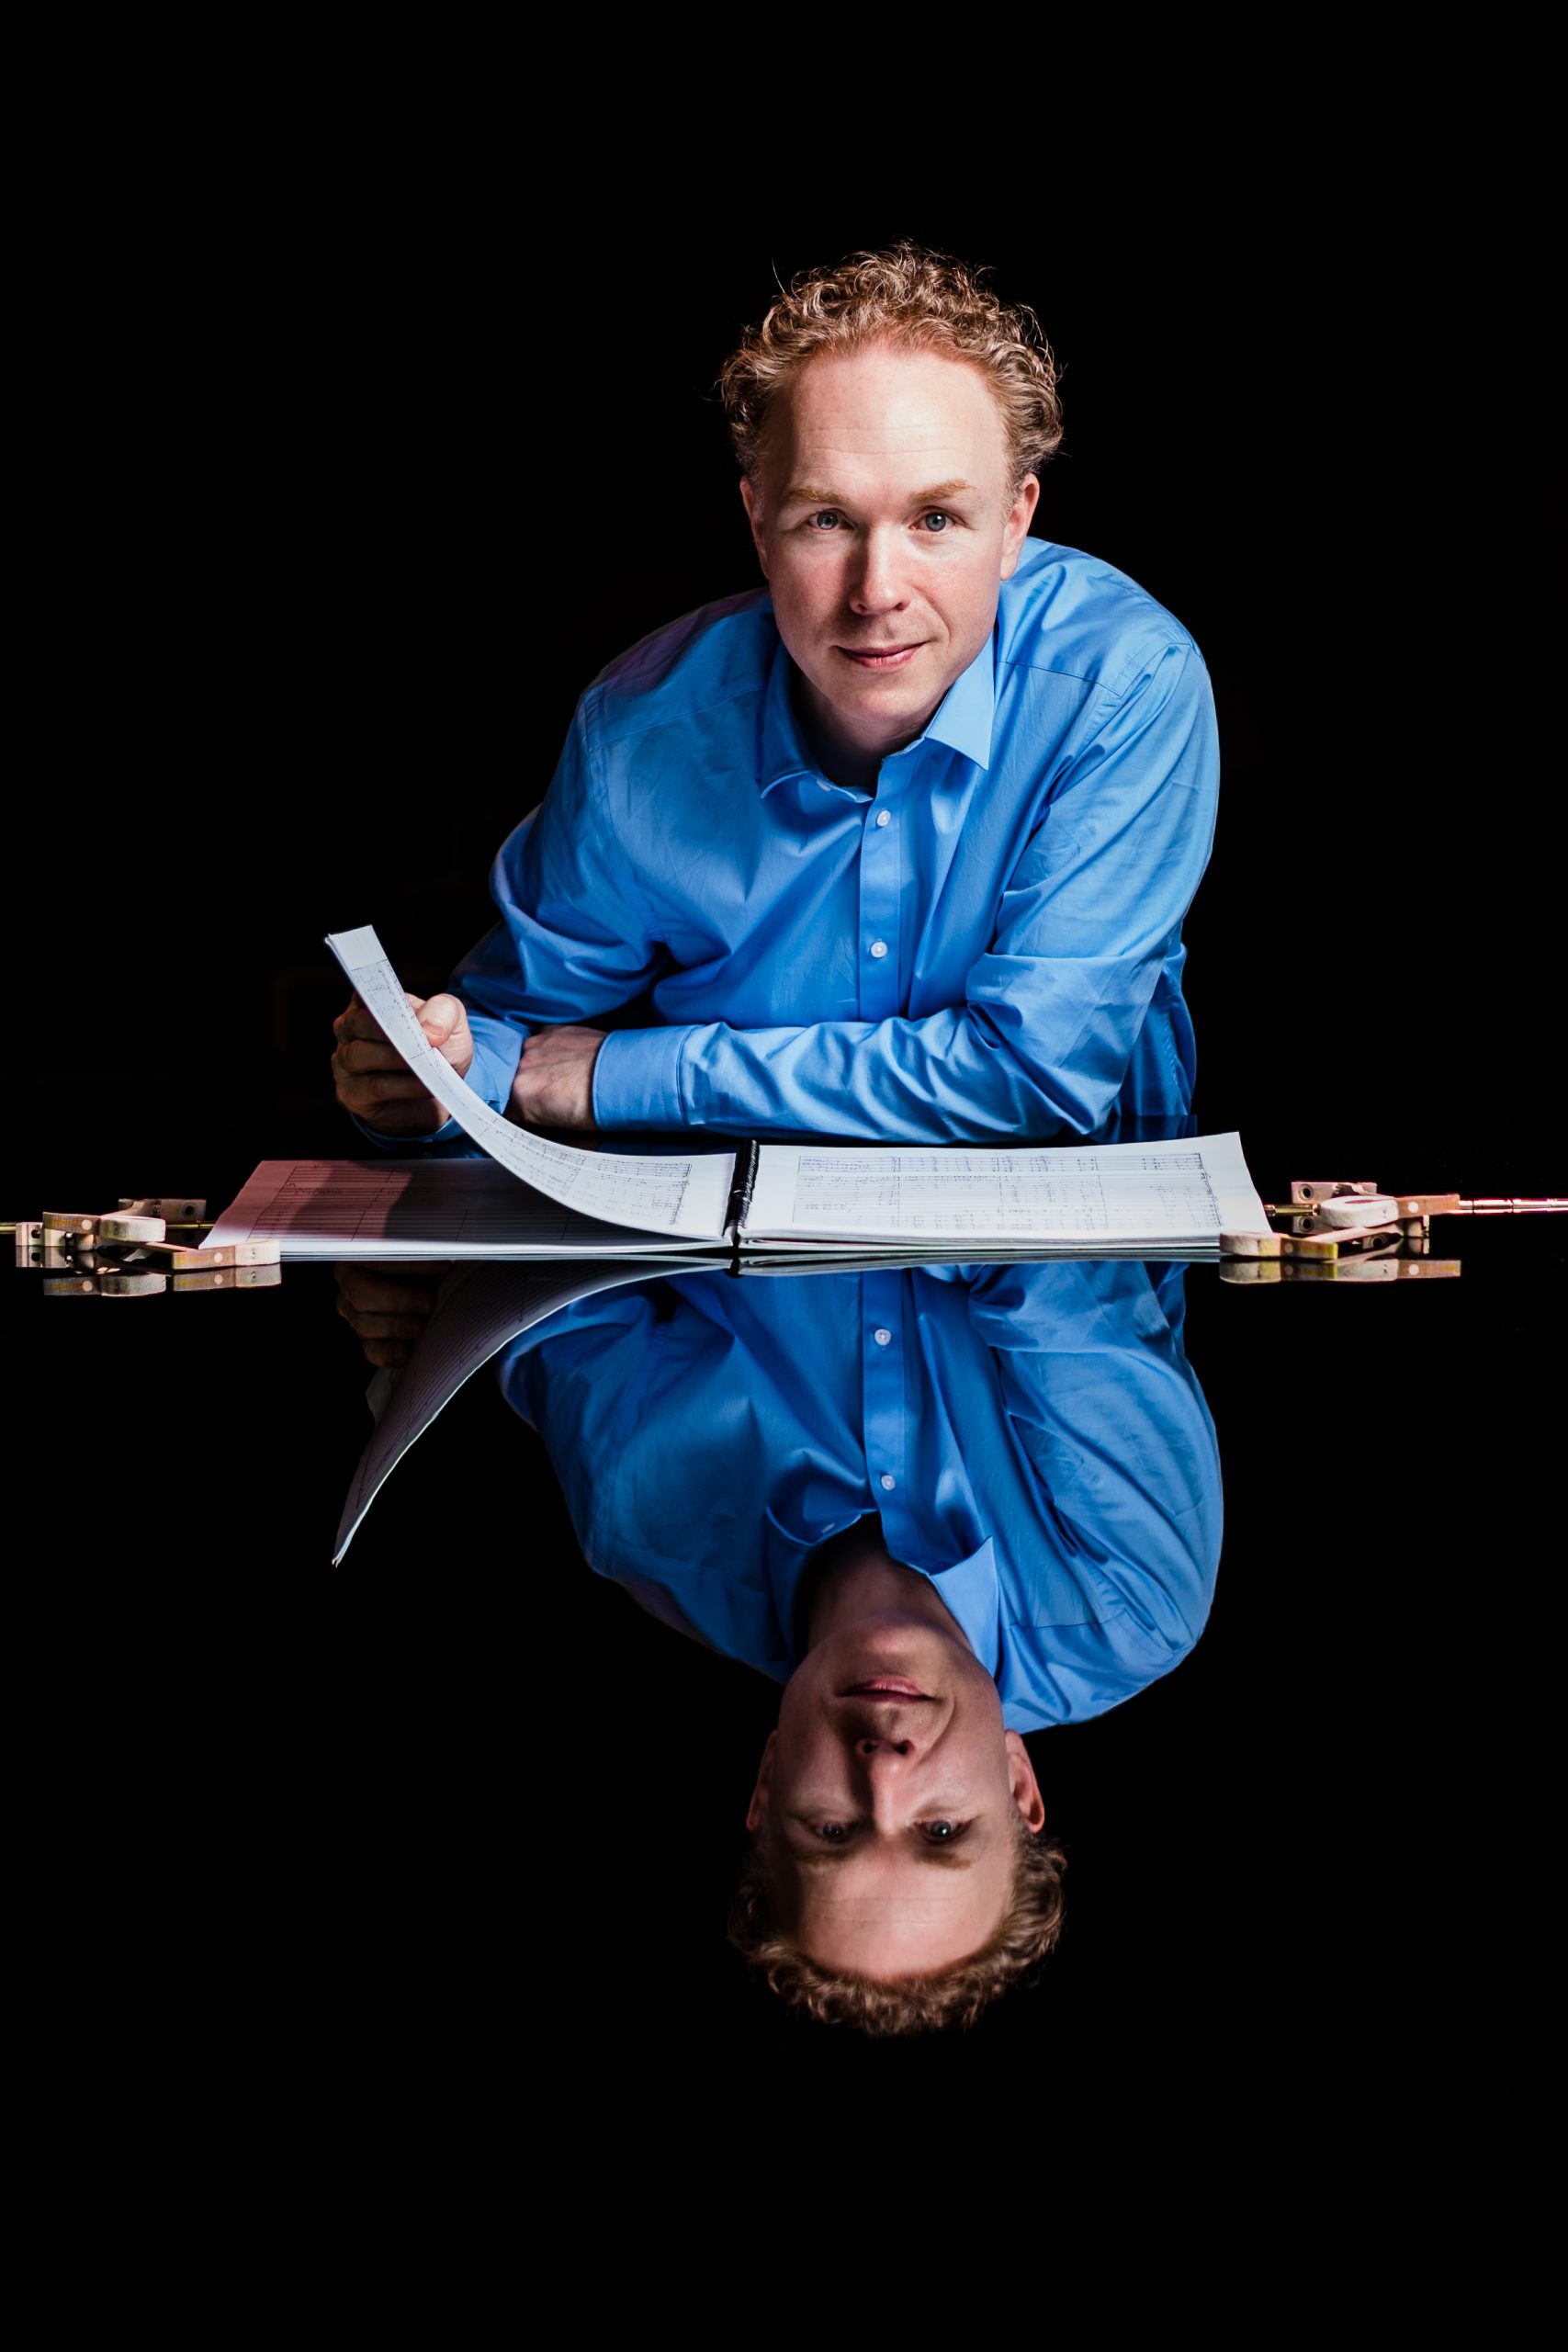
(886, 1686)
(880, 657)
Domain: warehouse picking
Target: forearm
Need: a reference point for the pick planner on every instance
(1051, 1011)
(968, 1074)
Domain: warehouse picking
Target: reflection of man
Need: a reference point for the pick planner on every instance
(898, 848)
(897, 1875)
(942, 1506)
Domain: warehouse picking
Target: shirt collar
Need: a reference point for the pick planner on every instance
(964, 717)
(971, 1590)
(962, 721)
(970, 1587)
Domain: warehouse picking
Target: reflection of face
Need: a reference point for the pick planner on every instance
(886, 522)
(890, 1820)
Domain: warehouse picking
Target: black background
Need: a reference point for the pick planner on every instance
(348, 463)
(355, 442)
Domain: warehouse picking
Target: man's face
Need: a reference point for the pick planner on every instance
(884, 523)
(890, 1814)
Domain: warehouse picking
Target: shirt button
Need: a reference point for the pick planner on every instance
(879, 947)
(888, 1480)
(882, 1335)
(884, 817)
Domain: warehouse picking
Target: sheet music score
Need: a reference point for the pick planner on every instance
(686, 1197)
(413, 1209)
(1110, 1193)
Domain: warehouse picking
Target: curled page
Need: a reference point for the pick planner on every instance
(686, 1197)
(431, 1208)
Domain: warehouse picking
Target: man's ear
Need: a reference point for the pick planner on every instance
(760, 1795)
(1025, 1787)
(750, 499)
(1015, 530)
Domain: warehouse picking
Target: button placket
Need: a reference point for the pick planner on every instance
(885, 1413)
(880, 864)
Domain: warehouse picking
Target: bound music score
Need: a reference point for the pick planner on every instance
(1183, 1196)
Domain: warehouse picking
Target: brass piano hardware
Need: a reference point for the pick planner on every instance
(142, 1246)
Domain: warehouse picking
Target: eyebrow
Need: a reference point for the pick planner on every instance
(806, 493)
(829, 1856)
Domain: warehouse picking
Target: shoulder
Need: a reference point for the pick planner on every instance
(715, 659)
(1070, 615)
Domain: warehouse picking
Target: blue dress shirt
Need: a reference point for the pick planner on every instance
(988, 947)
(1031, 1436)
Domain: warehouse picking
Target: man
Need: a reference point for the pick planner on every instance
(897, 847)
(942, 1507)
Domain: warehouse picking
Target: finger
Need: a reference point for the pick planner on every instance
(396, 1085)
(354, 1022)
(384, 1299)
(413, 1118)
(387, 1354)
(364, 1094)
(368, 1053)
(387, 1327)
(449, 1032)
(441, 1017)
(374, 1294)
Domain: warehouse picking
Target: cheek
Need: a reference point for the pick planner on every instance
(806, 601)
(977, 578)
(968, 596)
(799, 1718)
(983, 1764)
(811, 583)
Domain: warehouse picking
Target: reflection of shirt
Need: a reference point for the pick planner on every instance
(1031, 1435)
(988, 948)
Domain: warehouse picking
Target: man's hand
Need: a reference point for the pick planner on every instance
(374, 1082)
(388, 1305)
(554, 1085)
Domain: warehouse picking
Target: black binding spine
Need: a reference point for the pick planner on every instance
(745, 1162)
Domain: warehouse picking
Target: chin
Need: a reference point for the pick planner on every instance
(905, 711)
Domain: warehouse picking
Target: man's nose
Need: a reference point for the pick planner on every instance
(877, 587)
(887, 1751)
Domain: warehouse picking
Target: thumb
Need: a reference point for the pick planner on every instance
(439, 1017)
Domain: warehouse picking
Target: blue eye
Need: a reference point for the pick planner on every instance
(825, 521)
(936, 523)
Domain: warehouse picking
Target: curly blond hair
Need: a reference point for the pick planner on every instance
(949, 1996)
(916, 299)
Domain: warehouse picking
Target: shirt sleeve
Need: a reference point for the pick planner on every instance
(1098, 1390)
(573, 941)
(1051, 1011)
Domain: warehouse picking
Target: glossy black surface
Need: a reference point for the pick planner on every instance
(464, 1794)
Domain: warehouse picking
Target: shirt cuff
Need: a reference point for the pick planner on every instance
(637, 1080)
(498, 1049)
